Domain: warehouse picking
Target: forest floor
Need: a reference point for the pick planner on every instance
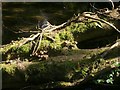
(19, 17)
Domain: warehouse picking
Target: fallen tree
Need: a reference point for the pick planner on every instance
(56, 73)
(80, 29)
(22, 58)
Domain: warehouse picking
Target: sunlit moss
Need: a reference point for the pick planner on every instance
(57, 38)
(10, 69)
(66, 35)
(71, 34)
(65, 84)
(6, 48)
(45, 44)
(24, 49)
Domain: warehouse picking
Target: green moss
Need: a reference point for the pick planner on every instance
(56, 46)
(24, 49)
(21, 52)
(65, 84)
(51, 71)
(83, 27)
(58, 71)
(10, 69)
(66, 35)
(6, 48)
(78, 31)
(45, 44)
(85, 71)
(57, 38)
(71, 34)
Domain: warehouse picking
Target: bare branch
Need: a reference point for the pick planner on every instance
(25, 40)
(87, 15)
(117, 44)
(112, 4)
(37, 45)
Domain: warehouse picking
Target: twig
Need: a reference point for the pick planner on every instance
(49, 29)
(39, 43)
(27, 87)
(50, 38)
(93, 7)
(112, 4)
(88, 16)
(117, 44)
(25, 40)
(52, 27)
(36, 44)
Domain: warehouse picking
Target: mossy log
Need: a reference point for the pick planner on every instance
(54, 73)
(57, 72)
(80, 30)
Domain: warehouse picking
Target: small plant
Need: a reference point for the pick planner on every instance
(111, 76)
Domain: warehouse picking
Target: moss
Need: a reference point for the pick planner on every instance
(12, 51)
(23, 49)
(66, 35)
(66, 71)
(80, 31)
(56, 71)
(45, 44)
(56, 46)
(6, 48)
(73, 33)
(53, 69)
(65, 84)
(10, 69)
(19, 52)
(57, 38)
(12, 76)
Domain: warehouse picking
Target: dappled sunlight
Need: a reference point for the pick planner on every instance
(18, 10)
(59, 45)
